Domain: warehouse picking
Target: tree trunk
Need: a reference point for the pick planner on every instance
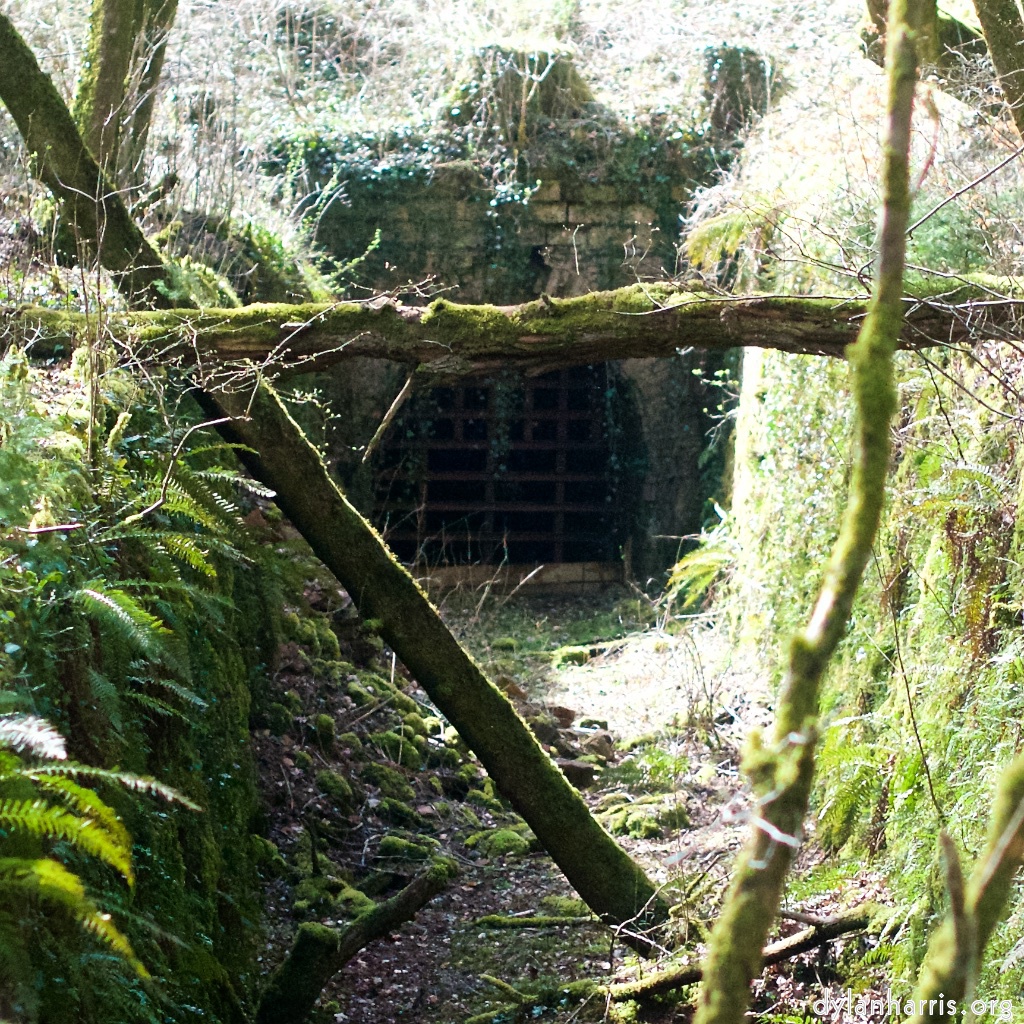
(117, 88)
(320, 952)
(1003, 29)
(91, 204)
(781, 772)
(277, 453)
(449, 341)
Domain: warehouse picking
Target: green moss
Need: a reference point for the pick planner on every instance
(482, 799)
(303, 760)
(389, 781)
(349, 741)
(399, 813)
(415, 724)
(398, 748)
(351, 902)
(442, 757)
(403, 849)
(324, 728)
(337, 788)
(404, 704)
(360, 696)
(502, 842)
(279, 719)
(505, 643)
(293, 702)
(564, 906)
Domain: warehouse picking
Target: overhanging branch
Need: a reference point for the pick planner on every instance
(450, 340)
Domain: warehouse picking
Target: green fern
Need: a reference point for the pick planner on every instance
(37, 817)
(67, 812)
(124, 615)
(51, 882)
(851, 772)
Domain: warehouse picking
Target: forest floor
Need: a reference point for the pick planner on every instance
(678, 706)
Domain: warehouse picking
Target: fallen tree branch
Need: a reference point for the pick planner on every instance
(320, 952)
(826, 931)
(447, 340)
(90, 202)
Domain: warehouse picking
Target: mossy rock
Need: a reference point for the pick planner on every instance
(268, 858)
(482, 799)
(443, 757)
(349, 741)
(454, 740)
(335, 674)
(389, 781)
(644, 818)
(414, 722)
(404, 704)
(502, 842)
(359, 695)
(434, 725)
(564, 906)
(398, 748)
(303, 760)
(279, 719)
(404, 849)
(399, 813)
(324, 727)
(338, 789)
(350, 902)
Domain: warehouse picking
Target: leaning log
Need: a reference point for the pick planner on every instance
(276, 452)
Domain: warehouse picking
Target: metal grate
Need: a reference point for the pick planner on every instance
(491, 472)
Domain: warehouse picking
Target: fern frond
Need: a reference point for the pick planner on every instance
(187, 695)
(233, 479)
(106, 696)
(86, 802)
(125, 617)
(694, 573)
(28, 733)
(86, 834)
(136, 783)
(50, 881)
(159, 707)
(187, 551)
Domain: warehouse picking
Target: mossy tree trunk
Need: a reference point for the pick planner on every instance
(781, 774)
(610, 881)
(448, 341)
(89, 201)
(320, 952)
(1003, 28)
(117, 88)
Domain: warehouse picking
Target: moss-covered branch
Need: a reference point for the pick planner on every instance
(782, 773)
(61, 160)
(955, 952)
(602, 873)
(320, 952)
(451, 340)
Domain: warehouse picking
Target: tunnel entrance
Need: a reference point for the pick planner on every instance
(501, 471)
